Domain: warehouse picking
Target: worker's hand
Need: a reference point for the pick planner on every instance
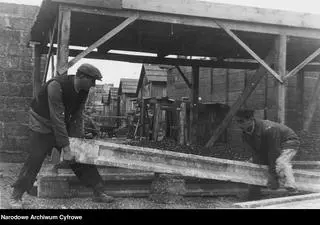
(88, 136)
(67, 154)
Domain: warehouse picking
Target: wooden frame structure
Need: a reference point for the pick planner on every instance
(230, 38)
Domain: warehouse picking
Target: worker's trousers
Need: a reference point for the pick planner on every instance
(283, 168)
(40, 145)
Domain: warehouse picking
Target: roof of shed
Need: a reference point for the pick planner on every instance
(153, 73)
(128, 85)
(182, 27)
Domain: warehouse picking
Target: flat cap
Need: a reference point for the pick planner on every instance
(90, 70)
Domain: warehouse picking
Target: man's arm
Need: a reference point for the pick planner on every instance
(57, 116)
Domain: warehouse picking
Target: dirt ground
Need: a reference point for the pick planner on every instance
(8, 174)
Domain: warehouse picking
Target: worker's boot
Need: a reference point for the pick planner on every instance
(15, 200)
(99, 195)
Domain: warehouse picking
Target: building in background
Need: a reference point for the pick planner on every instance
(127, 93)
(152, 82)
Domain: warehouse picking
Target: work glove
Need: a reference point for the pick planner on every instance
(67, 155)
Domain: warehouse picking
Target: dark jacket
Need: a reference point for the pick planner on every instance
(268, 139)
(60, 104)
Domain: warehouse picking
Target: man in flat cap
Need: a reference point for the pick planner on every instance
(272, 144)
(55, 115)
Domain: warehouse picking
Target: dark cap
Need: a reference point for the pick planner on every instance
(90, 70)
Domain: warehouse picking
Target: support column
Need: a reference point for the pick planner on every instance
(194, 104)
(183, 112)
(36, 68)
(63, 37)
(142, 116)
(156, 121)
(281, 89)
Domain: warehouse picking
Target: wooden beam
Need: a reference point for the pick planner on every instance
(254, 81)
(312, 105)
(111, 4)
(184, 77)
(166, 61)
(99, 42)
(226, 12)
(303, 64)
(161, 161)
(52, 34)
(246, 47)
(281, 89)
(36, 74)
(206, 22)
(278, 201)
(194, 105)
(64, 21)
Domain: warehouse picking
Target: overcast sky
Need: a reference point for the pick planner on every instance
(113, 71)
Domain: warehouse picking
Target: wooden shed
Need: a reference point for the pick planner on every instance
(282, 45)
(126, 92)
(111, 102)
(152, 82)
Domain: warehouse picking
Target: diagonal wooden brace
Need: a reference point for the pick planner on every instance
(50, 55)
(260, 73)
(99, 42)
(184, 77)
(246, 47)
(304, 63)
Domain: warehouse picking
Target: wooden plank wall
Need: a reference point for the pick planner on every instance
(217, 94)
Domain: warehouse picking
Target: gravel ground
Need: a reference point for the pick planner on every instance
(8, 173)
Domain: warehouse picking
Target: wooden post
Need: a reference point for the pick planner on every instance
(52, 66)
(156, 121)
(300, 99)
(183, 109)
(142, 116)
(36, 68)
(63, 38)
(194, 105)
(281, 88)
